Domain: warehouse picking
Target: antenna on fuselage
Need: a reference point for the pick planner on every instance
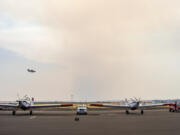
(32, 101)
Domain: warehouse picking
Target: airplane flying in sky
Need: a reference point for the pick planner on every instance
(133, 105)
(31, 70)
(27, 104)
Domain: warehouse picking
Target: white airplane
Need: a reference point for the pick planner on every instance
(133, 105)
(27, 104)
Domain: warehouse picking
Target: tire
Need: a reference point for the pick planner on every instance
(30, 113)
(127, 112)
(170, 110)
(13, 112)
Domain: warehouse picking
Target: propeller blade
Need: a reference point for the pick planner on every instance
(135, 99)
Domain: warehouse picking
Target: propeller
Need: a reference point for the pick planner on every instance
(26, 97)
(18, 96)
(136, 100)
(125, 101)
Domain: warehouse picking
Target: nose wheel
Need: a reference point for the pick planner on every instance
(142, 112)
(30, 112)
(127, 112)
(13, 112)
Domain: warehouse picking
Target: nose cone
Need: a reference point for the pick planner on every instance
(134, 105)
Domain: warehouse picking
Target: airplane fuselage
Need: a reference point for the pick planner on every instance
(24, 105)
(134, 105)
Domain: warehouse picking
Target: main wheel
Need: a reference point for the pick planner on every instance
(127, 112)
(142, 112)
(30, 113)
(13, 112)
(170, 110)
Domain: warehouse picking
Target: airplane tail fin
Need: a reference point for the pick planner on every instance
(126, 101)
(32, 101)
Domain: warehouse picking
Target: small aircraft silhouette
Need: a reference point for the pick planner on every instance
(28, 104)
(134, 104)
(31, 70)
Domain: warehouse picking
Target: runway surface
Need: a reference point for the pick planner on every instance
(110, 122)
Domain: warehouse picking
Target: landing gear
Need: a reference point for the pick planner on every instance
(170, 110)
(127, 112)
(142, 112)
(13, 112)
(30, 112)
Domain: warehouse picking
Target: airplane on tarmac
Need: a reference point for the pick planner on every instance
(135, 104)
(173, 107)
(27, 104)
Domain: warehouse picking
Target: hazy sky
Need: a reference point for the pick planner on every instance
(93, 49)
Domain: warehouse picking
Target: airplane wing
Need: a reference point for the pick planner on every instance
(8, 105)
(111, 106)
(169, 104)
(149, 106)
(50, 105)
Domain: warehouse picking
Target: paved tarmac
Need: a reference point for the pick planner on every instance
(110, 122)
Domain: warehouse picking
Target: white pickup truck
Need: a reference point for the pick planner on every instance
(82, 110)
